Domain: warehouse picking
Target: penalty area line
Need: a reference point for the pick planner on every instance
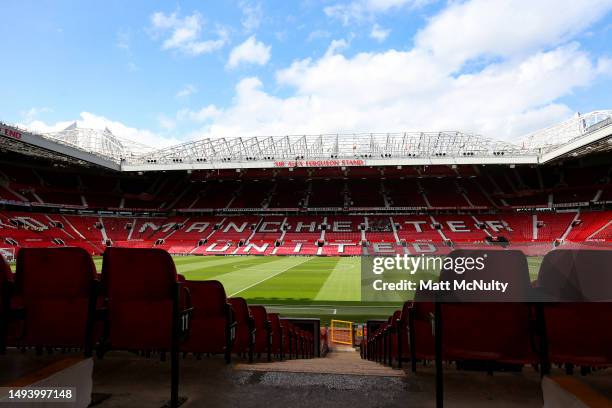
(269, 277)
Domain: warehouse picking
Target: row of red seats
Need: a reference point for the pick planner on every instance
(564, 317)
(230, 325)
(56, 299)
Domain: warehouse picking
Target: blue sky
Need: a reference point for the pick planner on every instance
(162, 72)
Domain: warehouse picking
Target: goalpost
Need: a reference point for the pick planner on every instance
(342, 332)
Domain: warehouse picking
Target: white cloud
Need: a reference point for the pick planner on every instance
(251, 52)
(505, 28)
(92, 121)
(123, 40)
(251, 15)
(32, 113)
(358, 10)
(378, 33)
(202, 115)
(186, 91)
(165, 122)
(132, 67)
(424, 89)
(318, 35)
(335, 46)
(514, 86)
(185, 33)
(397, 91)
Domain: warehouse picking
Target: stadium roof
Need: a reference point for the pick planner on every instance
(579, 135)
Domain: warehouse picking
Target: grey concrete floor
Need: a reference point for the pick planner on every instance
(210, 383)
(133, 381)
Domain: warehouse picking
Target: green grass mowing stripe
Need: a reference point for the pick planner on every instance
(241, 279)
(343, 283)
(195, 267)
(534, 262)
(189, 259)
(302, 281)
(206, 260)
(98, 263)
(212, 270)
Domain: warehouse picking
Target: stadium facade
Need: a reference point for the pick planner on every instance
(407, 193)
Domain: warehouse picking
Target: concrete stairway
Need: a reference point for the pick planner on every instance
(340, 360)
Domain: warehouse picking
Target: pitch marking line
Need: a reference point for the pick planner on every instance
(330, 306)
(269, 277)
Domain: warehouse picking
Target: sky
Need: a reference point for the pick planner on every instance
(161, 73)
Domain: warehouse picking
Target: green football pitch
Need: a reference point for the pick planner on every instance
(323, 287)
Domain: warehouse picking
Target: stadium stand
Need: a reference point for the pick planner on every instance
(281, 212)
(342, 235)
(57, 218)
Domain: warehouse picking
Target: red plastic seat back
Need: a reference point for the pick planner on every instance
(489, 325)
(508, 267)
(6, 275)
(209, 319)
(241, 310)
(5, 270)
(242, 317)
(275, 325)
(54, 286)
(576, 275)
(274, 322)
(140, 285)
(423, 325)
(594, 273)
(557, 278)
(260, 316)
(405, 312)
(396, 315)
(578, 325)
(207, 298)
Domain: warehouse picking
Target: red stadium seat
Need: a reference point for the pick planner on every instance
(277, 335)
(142, 305)
(379, 347)
(6, 281)
(498, 330)
(212, 321)
(394, 337)
(309, 344)
(420, 323)
(289, 339)
(56, 288)
(263, 331)
(245, 328)
(470, 330)
(577, 320)
(401, 330)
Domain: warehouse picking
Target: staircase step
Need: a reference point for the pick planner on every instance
(339, 361)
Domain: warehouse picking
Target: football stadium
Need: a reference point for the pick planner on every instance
(348, 268)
